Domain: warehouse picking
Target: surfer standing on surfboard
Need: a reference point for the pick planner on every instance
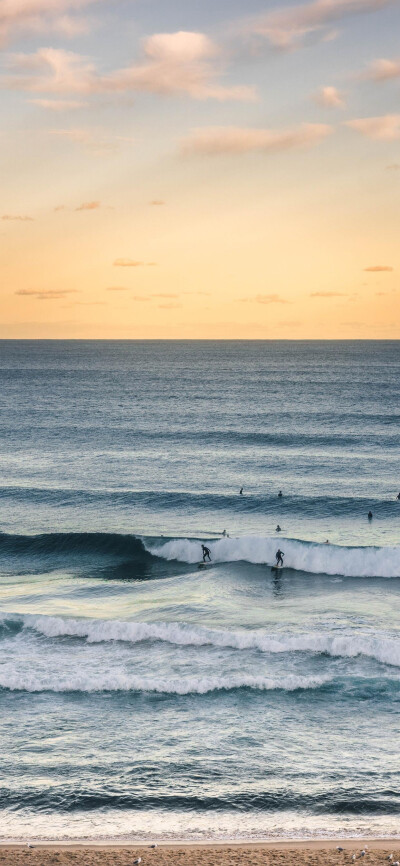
(279, 557)
(206, 553)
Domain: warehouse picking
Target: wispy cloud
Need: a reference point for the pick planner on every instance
(329, 97)
(165, 295)
(377, 269)
(289, 27)
(94, 141)
(237, 140)
(46, 294)
(117, 289)
(266, 299)
(89, 205)
(38, 15)
(17, 218)
(58, 105)
(127, 263)
(328, 294)
(383, 128)
(157, 202)
(383, 70)
(172, 63)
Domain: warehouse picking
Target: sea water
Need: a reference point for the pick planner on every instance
(143, 698)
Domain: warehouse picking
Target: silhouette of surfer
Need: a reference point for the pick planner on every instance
(278, 529)
(280, 493)
(206, 553)
(279, 557)
(241, 491)
(370, 515)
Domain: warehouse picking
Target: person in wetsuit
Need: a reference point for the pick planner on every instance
(370, 515)
(279, 557)
(206, 553)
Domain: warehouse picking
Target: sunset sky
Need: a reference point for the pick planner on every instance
(210, 169)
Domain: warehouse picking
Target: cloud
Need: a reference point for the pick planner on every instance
(59, 105)
(117, 289)
(12, 217)
(91, 140)
(383, 70)
(289, 27)
(89, 205)
(165, 295)
(266, 299)
(377, 269)
(46, 294)
(328, 295)
(237, 140)
(20, 15)
(127, 263)
(169, 306)
(139, 298)
(383, 128)
(157, 202)
(395, 166)
(173, 63)
(330, 97)
(182, 62)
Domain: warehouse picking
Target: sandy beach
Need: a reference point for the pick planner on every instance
(313, 853)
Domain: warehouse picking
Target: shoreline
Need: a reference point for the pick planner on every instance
(373, 843)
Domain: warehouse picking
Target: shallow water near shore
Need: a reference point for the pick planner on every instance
(143, 698)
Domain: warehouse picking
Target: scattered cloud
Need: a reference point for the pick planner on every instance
(89, 205)
(58, 104)
(165, 295)
(265, 299)
(237, 140)
(127, 263)
(157, 202)
(140, 298)
(384, 128)
(330, 97)
(383, 70)
(172, 63)
(46, 294)
(377, 269)
(289, 27)
(93, 141)
(328, 294)
(17, 217)
(395, 166)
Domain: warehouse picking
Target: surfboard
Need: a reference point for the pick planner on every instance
(203, 564)
(276, 567)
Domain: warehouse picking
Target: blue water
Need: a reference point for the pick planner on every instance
(143, 698)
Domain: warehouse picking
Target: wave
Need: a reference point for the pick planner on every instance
(216, 501)
(82, 681)
(383, 650)
(299, 555)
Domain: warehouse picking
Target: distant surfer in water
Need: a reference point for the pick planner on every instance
(280, 493)
(206, 553)
(241, 491)
(279, 557)
(370, 515)
(278, 528)
(398, 496)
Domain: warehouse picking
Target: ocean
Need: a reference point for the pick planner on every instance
(143, 698)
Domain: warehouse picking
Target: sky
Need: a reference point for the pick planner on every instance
(215, 169)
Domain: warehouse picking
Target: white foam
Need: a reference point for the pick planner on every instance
(346, 645)
(85, 681)
(299, 555)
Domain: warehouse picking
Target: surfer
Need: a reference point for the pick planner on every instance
(370, 515)
(279, 557)
(278, 528)
(241, 491)
(398, 496)
(206, 553)
(280, 493)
